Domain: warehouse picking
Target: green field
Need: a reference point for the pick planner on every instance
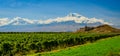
(104, 47)
(24, 43)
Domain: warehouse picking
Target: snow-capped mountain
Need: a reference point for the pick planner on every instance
(20, 21)
(70, 22)
(71, 17)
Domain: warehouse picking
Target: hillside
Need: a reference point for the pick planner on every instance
(100, 48)
(100, 29)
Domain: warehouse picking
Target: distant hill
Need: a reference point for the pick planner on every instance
(100, 29)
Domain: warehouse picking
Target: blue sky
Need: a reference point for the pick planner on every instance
(108, 10)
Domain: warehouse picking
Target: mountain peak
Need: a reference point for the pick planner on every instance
(20, 21)
(17, 18)
(74, 15)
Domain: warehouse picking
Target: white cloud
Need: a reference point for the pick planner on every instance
(71, 17)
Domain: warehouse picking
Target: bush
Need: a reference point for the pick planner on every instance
(33, 46)
(7, 48)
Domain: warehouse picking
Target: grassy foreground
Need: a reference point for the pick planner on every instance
(104, 47)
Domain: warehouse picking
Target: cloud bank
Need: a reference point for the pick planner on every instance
(77, 18)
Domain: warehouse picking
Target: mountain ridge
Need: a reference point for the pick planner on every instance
(71, 22)
(77, 18)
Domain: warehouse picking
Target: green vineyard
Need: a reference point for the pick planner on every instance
(104, 47)
(22, 43)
